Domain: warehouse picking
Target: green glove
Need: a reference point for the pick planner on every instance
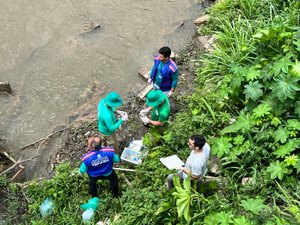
(92, 203)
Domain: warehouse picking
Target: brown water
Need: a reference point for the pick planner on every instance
(50, 63)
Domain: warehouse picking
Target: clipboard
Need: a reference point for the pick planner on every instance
(172, 162)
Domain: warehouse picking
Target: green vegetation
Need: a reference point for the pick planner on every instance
(247, 104)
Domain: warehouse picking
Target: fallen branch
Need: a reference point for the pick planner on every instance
(54, 132)
(18, 162)
(27, 183)
(127, 181)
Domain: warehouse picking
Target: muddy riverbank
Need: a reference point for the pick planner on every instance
(68, 142)
(52, 63)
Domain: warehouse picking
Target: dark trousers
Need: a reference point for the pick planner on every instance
(114, 184)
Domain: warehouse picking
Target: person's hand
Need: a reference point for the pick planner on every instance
(124, 117)
(121, 113)
(170, 93)
(180, 168)
(144, 112)
(145, 119)
(149, 80)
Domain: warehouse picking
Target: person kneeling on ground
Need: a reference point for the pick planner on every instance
(98, 164)
(196, 163)
(159, 104)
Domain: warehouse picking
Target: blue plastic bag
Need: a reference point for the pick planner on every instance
(47, 207)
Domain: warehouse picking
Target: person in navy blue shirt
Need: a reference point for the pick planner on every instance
(98, 164)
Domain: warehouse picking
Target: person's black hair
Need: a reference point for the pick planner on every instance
(96, 143)
(165, 51)
(199, 140)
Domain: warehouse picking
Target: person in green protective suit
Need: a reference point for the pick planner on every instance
(108, 124)
(159, 106)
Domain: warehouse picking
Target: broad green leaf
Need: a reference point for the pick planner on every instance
(286, 149)
(291, 160)
(236, 82)
(187, 184)
(285, 87)
(222, 146)
(297, 108)
(168, 136)
(224, 218)
(195, 111)
(262, 110)
(238, 140)
(297, 43)
(275, 121)
(163, 207)
(265, 35)
(241, 221)
(183, 198)
(231, 129)
(237, 69)
(295, 71)
(176, 182)
(243, 122)
(297, 166)
(293, 124)
(254, 205)
(210, 220)
(282, 65)
(277, 169)
(253, 90)
(281, 135)
(252, 74)
(218, 218)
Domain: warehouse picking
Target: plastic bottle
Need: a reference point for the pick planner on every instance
(87, 215)
(46, 208)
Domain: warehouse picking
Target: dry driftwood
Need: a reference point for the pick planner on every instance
(19, 161)
(54, 132)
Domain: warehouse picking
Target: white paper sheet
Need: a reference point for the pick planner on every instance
(172, 162)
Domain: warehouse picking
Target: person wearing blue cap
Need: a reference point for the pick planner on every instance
(159, 106)
(107, 121)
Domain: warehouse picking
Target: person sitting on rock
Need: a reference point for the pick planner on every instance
(108, 124)
(159, 107)
(164, 73)
(196, 163)
(98, 164)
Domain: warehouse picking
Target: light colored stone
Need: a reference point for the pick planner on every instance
(248, 180)
(203, 39)
(144, 72)
(5, 87)
(215, 168)
(201, 20)
(209, 46)
(145, 91)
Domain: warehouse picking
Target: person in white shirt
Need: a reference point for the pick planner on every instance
(196, 163)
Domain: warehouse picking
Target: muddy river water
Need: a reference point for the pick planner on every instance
(49, 60)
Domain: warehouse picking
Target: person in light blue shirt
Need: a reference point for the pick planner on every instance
(196, 163)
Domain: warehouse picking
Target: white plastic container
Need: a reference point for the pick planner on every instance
(131, 156)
